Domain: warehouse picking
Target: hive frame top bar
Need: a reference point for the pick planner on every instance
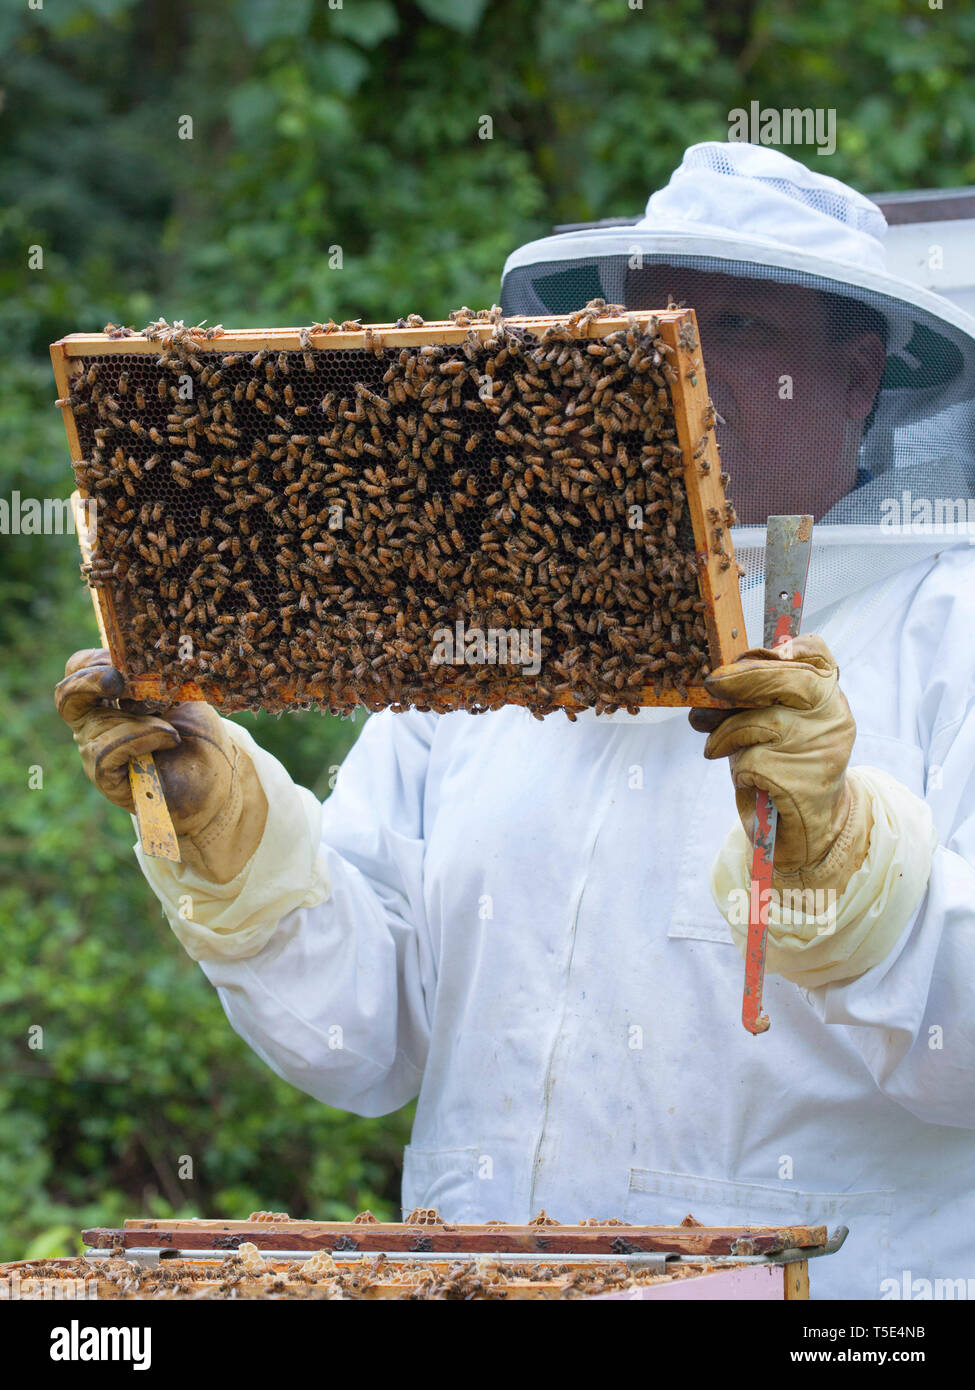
(292, 339)
(432, 1237)
(717, 579)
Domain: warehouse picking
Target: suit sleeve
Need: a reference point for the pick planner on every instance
(332, 982)
(912, 1015)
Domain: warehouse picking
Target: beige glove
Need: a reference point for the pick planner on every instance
(214, 797)
(795, 745)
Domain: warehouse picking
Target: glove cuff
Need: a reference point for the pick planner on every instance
(847, 852)
(220, 850)
(229, 812)
(816, 943)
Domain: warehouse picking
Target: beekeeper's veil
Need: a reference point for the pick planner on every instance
(840, 390)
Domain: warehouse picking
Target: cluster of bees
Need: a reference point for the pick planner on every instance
(480, 1277)
(300, 528)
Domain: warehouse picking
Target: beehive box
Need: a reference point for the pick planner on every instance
(444, 516)
(481, 1279)
(271, 1256)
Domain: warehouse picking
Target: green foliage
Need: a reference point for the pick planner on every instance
(137, 1065)
(463, 15)
(336, 169)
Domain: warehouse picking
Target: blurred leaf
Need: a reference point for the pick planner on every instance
(251, 107)
(337, 66)
(366, 21)
(264, 20)
(463, 15)
(52, 1244)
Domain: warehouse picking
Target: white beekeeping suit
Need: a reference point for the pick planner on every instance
(516, 921)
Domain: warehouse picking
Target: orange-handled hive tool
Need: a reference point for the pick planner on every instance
(156, 830)
(788, 545)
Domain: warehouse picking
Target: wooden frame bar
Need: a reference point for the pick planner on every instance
(432, 1237)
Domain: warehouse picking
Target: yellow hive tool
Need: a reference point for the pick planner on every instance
(156, 830)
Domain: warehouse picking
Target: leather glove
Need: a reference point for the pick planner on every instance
(213, 793)
(795, 744)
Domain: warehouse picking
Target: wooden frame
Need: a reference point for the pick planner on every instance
(717, 572)
(366, 1234)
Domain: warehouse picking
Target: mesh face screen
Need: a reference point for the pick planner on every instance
(442, 527)
(831, 399)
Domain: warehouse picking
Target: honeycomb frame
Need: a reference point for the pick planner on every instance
(690, 455)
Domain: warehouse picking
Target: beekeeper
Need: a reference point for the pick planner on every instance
(536, 927)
